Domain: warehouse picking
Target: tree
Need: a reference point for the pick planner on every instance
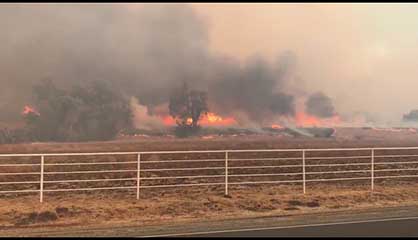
(186, 107)
(93, 111)
(198, 105)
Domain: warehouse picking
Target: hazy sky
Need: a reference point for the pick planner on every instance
(362, 55)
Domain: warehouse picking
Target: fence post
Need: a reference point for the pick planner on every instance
(372, 170)
(41, 187)
(226, 173)
(303, 169)
(138, 176)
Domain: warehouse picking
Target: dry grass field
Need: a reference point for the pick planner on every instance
(167, 205)
(116, 208)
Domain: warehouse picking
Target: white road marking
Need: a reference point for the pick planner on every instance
(282, 227)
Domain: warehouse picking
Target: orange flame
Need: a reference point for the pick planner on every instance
(28, 109)
(169, 121)
(276, 126)
(189, 121)
(305, 120)
(212, 119)
(301, 119)
(209, 119)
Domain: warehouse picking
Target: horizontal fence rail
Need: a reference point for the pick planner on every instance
(64, 172)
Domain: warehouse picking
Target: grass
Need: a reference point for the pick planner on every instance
(193, 204)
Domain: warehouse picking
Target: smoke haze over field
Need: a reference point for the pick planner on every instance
(254, 60)
(361, 55)
(147, 51)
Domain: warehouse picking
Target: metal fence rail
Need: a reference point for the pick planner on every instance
(61, 172)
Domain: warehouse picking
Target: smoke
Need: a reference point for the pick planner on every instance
(142, 119)
(320, 105)
(361, 55)
(256, 88)
(147, 51)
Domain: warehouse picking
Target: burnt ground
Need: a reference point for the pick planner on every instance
(98, 208)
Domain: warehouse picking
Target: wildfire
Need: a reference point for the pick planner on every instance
(209, 119)
(305, 120)
(301, 119)
(169, 121)
(189, 121)
(28, 109)
(276, 126)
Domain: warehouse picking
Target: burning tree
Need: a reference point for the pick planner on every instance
(186, 107)
(30, 114)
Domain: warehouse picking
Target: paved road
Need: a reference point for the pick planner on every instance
(387, 228)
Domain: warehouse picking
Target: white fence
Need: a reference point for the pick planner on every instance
(63, 172)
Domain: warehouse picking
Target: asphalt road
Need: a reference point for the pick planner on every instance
(386, 228)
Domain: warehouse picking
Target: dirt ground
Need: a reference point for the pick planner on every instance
(156, 206)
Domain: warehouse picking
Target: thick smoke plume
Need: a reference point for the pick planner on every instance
(320, 105)
(255, 89)
(146, 51)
